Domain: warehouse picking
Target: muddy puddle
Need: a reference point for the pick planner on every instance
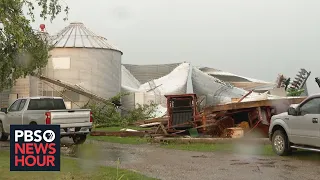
(96, 152)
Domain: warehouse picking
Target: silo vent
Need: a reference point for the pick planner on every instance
(76, 23)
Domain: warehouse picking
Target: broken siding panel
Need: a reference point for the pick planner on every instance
(253, 85)
(145, 73)
(128, 80)
(215, 91)
(173, 83)
(222, 75)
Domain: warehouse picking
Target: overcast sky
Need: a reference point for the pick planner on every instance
(253, 38)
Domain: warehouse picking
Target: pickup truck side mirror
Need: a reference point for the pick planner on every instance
(5, 110)
(292, 111)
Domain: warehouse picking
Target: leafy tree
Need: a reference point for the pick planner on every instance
(22, 50)
(294, 92)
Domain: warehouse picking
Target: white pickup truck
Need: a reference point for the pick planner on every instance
(298, 128)
(74, 123)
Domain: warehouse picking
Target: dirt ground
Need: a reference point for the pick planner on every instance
(169, 164)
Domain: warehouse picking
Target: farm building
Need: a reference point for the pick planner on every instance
(80, 58)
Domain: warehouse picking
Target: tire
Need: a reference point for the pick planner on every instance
(280, 143)
(3, 135)
(33, 123)
(79, 139)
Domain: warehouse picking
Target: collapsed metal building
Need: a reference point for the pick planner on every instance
(218, 87)
(239, 81)
(149, 83)
(145, 73)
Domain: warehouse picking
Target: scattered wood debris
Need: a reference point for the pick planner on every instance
(231, 121)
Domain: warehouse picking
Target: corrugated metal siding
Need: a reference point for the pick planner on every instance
(128, 80)
(22, 87)
(145, 73)
(228, 77)
(128, 101)
(95, 70)
(4, 98)
(213, 89)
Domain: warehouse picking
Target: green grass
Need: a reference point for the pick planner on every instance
(111, 129)
(120, 140)
(70, 169)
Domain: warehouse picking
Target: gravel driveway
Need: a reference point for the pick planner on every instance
(168, 164)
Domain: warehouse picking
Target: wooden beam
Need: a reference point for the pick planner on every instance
(252, 104)
(255, 141)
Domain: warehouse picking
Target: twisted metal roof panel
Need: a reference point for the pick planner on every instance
(145, 73)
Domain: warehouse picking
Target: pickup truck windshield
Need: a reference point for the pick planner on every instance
(46, 104)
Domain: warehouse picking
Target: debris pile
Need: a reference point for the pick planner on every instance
(233, 117)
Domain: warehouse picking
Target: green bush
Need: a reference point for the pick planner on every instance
(141, 112)
(106, 114)
(294, 92)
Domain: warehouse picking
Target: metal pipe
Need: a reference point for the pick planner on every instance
(245, 96)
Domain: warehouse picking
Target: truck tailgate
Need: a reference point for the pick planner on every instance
(71, 118)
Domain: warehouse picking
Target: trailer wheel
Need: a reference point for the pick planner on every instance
(79, 139)
(3, 135)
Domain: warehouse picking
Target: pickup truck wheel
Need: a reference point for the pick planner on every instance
(3, 135)
(280, 144)
(79, 139)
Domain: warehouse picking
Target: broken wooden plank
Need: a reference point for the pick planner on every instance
(146, 121)
(285, 102)
(150, 124)
(162, 128)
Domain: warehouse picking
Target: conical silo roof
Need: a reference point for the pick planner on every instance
(76, 35)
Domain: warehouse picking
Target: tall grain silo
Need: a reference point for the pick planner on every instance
(83, 59)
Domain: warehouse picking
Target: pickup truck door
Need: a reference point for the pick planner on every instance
(19, 113)
(305, 127)
(13, 113)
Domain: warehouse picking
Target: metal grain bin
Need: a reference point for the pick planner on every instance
(83, 59)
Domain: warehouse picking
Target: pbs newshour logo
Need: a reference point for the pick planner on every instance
(35, 148)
